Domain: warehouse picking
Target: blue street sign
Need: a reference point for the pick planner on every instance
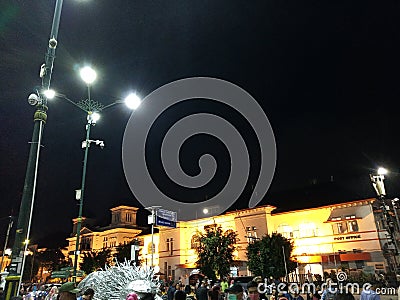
(164, 222)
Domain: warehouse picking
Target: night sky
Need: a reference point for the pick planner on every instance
(325, 73)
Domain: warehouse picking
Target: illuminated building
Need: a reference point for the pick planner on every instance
(325, 238)
(122, 230)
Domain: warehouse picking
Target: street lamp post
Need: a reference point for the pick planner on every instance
(153, 210)
(28, 195)
(379, 186)
(284, 262)
(10, 224)
(92, 109)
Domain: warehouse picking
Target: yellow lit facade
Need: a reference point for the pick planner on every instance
(329, 237)
(324, 238)
(121, 230)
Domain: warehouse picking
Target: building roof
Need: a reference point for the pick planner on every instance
(124, 207)
(319, 194)
(343, 205)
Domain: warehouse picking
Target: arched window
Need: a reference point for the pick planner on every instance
(194, 242)
(285, 230)
(307, 229)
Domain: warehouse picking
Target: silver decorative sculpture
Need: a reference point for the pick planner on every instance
(117, 281)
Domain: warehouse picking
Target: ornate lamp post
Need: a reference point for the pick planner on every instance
(28, 195)
(92, 109)
(391, 246)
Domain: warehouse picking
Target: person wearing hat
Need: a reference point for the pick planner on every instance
(235, 292)
(68, 291)
(252, 289)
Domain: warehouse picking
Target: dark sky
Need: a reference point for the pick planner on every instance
(325, 73)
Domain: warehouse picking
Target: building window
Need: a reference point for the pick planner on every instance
(254, 228)
(285, 230)
(248, 234)
(169, 271)
(353, 226)
(85, 243)
(341, 227)
(167, 245)
(172, 246)
(166, 268)
(307, 230)
(359, 264)
(128, 217)
(251, 234)
(194, 243)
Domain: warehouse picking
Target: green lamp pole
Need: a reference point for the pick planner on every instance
(86, 144)
(91, 108)
(28, 195)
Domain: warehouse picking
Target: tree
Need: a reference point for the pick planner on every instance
(31, 267)
(265, 256)
(215, 249)
(93, 260)
(124, 251)
(51, 259)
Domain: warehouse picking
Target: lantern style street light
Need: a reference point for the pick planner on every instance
(387, 222)
(92, 109)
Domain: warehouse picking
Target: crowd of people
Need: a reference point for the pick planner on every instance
(202, 290)
(205, 290)
(251, 291)
(67, 291)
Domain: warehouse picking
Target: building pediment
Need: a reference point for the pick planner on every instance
(86, 230)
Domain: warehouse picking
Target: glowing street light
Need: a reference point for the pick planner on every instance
(49, 94)
(88, 75)
(132, 101)
(382, 171)
(93, 117)
(378, 182)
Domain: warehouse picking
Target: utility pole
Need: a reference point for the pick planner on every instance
(388, 225)
(28, 195)
(153, 210)
(284, 261)
(10, 224)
